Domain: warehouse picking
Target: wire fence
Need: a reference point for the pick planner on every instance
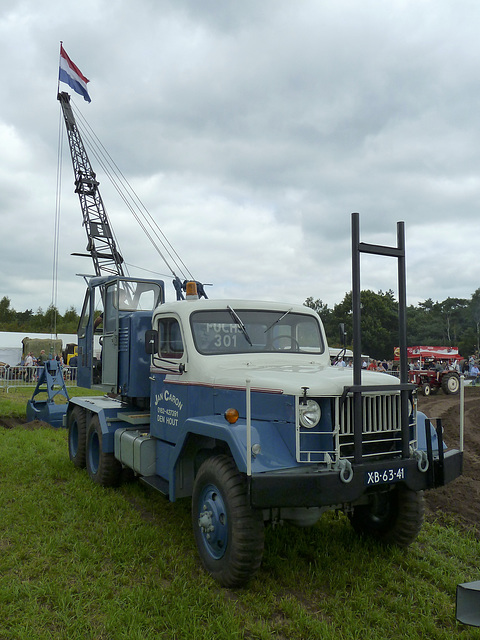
(21, 376)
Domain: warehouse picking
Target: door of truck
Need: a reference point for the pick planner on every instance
(110, 334)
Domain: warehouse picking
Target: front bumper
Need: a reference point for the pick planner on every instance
(318, 487)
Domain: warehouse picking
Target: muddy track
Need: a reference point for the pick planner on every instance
(460, 500)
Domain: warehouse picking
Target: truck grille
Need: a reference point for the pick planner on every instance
(333, 437)
(382, 431)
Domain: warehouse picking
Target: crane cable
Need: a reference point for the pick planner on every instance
(56, 232)
(131, 199)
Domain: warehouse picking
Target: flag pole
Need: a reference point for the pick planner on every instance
(59, 57)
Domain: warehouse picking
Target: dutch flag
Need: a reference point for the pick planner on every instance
(71, 75)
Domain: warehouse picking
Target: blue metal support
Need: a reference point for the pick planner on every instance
(51, 382)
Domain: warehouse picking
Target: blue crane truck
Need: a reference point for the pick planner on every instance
(235, 404)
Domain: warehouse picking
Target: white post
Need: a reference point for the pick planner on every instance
(249, 429)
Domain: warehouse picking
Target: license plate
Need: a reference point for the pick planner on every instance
(384, 476)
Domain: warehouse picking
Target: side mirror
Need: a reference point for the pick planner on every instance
(151, 341)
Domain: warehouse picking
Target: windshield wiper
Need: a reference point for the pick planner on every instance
(278, 320)
(239, 322)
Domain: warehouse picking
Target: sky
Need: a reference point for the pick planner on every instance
(250, 131)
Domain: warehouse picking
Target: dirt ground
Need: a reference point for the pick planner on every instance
(459, 500)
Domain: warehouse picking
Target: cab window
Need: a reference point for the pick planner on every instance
(170, 342)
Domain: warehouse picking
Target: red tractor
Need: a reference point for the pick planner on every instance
(428, 373)
(430, 380)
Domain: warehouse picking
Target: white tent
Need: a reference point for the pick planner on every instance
(10, 355)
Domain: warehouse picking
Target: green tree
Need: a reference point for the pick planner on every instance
(454, 319)
(7, 315)
(318, 306)
(38, 321)
(467, 344)
(475, 315)
(69, 321)
(379, 321)
(48, 322)
(23, 320)
(52, 319)
(425, 324)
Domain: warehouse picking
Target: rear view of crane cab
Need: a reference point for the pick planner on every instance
(116, 313)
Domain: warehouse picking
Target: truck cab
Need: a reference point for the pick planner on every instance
(212, 358)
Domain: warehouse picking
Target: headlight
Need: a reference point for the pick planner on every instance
(410, 407)
(310, 414)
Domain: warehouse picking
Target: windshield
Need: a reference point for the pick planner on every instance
(245, 331)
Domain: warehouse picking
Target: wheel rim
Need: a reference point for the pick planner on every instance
(452, 384)
(94, 452)
(212, 521)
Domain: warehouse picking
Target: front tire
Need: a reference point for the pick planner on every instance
(103, 468)
(77, 436)
(391, 517)
(229, 534)
(426, 389)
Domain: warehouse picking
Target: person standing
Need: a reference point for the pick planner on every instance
(42, 358)
(73, 367)
(29, 367)
(474, 373)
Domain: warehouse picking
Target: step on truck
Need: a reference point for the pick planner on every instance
(235, 405)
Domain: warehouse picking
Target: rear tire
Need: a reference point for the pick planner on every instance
(77, 436)
(451, 383)
(391, 517)
(103, 468)
(228, 532)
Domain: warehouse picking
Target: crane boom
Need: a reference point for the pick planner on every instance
(101, 244)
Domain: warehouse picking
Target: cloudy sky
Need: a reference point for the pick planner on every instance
(250, 129)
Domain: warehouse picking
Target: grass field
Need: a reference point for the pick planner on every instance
(79, 561)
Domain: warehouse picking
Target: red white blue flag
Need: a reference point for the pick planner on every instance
(71, 75)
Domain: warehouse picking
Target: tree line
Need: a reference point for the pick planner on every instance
(455, 322)
(50, 321)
